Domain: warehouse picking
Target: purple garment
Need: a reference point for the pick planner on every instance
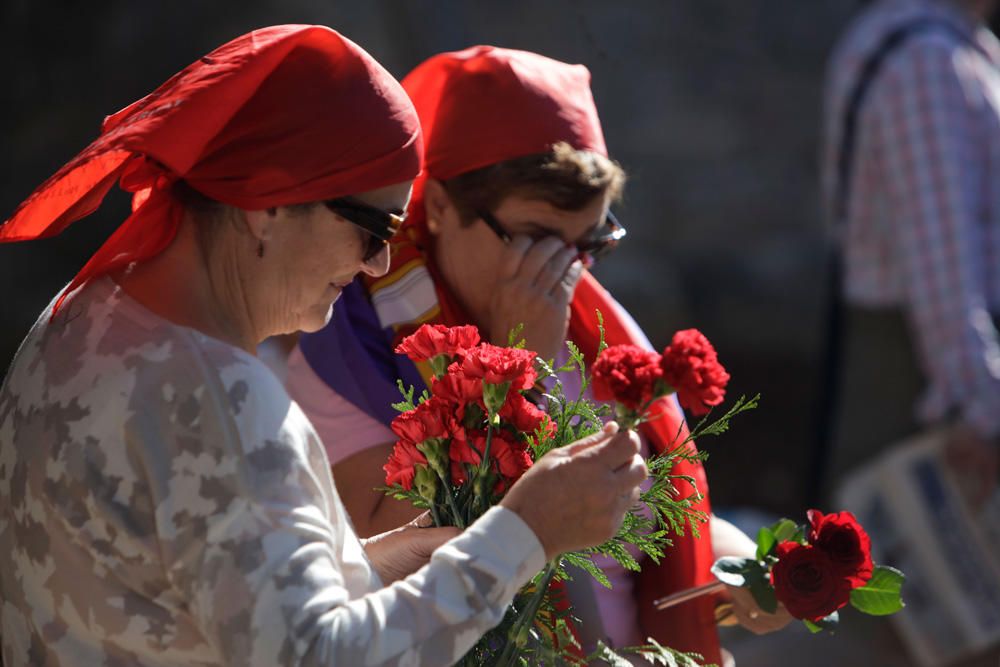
(353, 356)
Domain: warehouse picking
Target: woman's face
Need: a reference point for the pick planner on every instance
(315, 253)
(469, 255)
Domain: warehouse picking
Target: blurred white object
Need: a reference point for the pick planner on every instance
(913, 507)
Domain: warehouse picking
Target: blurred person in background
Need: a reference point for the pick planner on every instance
(911, 182)
(162, 499)
(513, 205)
(911, 179)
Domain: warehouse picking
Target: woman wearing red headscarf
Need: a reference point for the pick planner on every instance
(511, 207)
(162, 499)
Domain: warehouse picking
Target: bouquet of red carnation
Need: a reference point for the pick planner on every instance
(634, 377)
(815, 570)
(465, 442)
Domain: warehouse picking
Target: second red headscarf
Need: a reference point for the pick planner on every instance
(486, 105)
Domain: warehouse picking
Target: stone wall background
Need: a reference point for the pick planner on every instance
(711, 105)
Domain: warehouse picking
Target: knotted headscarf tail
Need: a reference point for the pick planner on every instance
(478, 107)
(283, 115)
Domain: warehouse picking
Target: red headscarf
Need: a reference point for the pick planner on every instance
(283, 115)
(486, 105)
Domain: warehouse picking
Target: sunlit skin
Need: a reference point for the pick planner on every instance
(224, 289)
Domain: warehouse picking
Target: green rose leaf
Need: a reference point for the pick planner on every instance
(733, 571)
(762, 590)
(787, 531)
(828, 623)
(765, 542)
(881, 595)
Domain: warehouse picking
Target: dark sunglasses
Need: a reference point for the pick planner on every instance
(380, 225)
(596, 245)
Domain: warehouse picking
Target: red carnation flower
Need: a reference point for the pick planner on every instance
(626, 374)
(431, 340)
(524, 415)
(807, 583)
(458, 388)
(510, 457)
(845, 543)
(434, 418)
(497, 365)
(692, 368)
(400, 468)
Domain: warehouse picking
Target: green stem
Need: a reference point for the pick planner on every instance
(435, 515)
(484, 463)
(459, 521)
(526, 617)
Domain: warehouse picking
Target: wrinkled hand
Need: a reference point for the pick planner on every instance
(406, 549)
(534, 288)
(576, 496)
(751, 616)
(975, 460)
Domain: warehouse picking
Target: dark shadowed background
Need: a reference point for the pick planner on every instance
(711, 105)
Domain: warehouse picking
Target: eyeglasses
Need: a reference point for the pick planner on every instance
(596, 245)
(379, 225)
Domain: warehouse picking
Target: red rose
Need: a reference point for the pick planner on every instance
(626, 374)
(431, 340)
(400, 467)
(524, 415)
(692, 368)
(497, 365)
(845, 543)
(807, 583)
(434, 418)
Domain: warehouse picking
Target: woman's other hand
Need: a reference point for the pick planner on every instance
(751, 616)
(403, 551)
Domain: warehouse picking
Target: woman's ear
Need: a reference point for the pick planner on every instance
(438, 206)
(260, 223)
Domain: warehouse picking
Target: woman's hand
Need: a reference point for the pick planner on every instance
(751, 616)
(534, 288)
(728, 540)
(576, 496)
(406, 549)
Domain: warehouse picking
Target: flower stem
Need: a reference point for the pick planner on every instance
(456, 515)
(526, 617)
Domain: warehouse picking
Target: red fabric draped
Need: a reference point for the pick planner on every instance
(485, 105)
(282, 115)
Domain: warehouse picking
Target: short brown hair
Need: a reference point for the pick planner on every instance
(566, 178)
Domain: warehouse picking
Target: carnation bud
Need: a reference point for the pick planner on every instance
(426, 483)
(439, 364)
(494, 396)
(436, 453)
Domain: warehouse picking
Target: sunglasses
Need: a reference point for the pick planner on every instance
(596, 245)
(379, 225)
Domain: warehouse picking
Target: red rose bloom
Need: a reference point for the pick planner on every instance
(434, 418)
(626, 374)
(431, 340)
(496, 365)
(845, 543)
(807, 583)
(692, 368)
(400, 467)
